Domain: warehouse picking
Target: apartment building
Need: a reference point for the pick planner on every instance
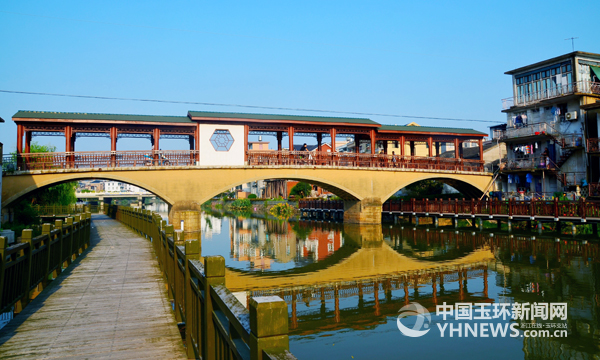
(552, 112)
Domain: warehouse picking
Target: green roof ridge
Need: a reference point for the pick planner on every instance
(100, 116)
(281, 116)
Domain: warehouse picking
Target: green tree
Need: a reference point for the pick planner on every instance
(61, 194)
(424, 188)
(301, 190)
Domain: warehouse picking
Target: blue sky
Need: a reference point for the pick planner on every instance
(436, 59)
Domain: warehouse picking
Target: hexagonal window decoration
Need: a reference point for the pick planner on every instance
(221, 140)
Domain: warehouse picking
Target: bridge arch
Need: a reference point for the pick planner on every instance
(30, 185)
(336, 188)
(462, 186)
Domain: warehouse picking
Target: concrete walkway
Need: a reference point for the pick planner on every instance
(110, 303)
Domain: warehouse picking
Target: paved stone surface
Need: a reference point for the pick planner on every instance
(110, 303)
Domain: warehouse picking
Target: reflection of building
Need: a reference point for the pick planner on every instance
(210, 226)
(261, 242)
(320, 244)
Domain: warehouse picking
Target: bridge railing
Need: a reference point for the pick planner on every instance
(106, 159)
(25, 267)
(580, 209)
(315, 158)
(98, 159)
(217, 325)
(321, 204)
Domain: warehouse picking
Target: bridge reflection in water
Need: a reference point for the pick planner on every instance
(345, 284)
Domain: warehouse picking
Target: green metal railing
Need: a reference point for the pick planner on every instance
(26, 267)
(217, 325)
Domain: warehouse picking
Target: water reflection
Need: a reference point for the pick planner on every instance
(345, 284)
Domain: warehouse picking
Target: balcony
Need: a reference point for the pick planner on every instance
(584, 87)
(531, 164)
(530, 130)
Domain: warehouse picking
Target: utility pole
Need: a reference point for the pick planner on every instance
(572, 42)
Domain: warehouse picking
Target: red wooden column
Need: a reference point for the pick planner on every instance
(68, 134)
(373, 141)
(480, 141)
(332, 133)
(68, 144)
(19, 146)
(113, 146)
(27, 142)
(401, 144)
(19, 138)
(430, 146)
(291, 136)
(156, 135)
(456, 152)
(357, 139)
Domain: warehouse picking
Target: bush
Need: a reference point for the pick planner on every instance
(241, 204)
(282, 210)
(252, 196)
(301, 190)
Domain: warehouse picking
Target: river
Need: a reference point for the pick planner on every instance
(345, 285)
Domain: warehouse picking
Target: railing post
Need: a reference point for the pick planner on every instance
(77, 235)
(268, 326)
(3, 246)
(26, 237)
(214, 273)
(69, 223)
(46, 229)
(192, 252)
(583, 205)
(58, 225)
(555, 208)
(169, 231)
(510, 208)
(179, 236)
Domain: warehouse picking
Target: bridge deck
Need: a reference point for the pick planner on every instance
(110, 304)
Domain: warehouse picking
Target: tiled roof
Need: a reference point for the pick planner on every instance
(105, 117)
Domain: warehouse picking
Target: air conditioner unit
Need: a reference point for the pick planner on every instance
(570, 116)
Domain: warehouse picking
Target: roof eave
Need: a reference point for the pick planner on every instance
(107, 122)
(551, 61)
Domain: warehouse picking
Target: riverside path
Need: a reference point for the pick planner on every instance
(110, 303)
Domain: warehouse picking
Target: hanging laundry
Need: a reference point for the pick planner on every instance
(536, 145)
(528, 178)
(510, 178)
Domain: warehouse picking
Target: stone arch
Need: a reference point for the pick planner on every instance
(341, 191)
(463, 186)
(32, 185)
